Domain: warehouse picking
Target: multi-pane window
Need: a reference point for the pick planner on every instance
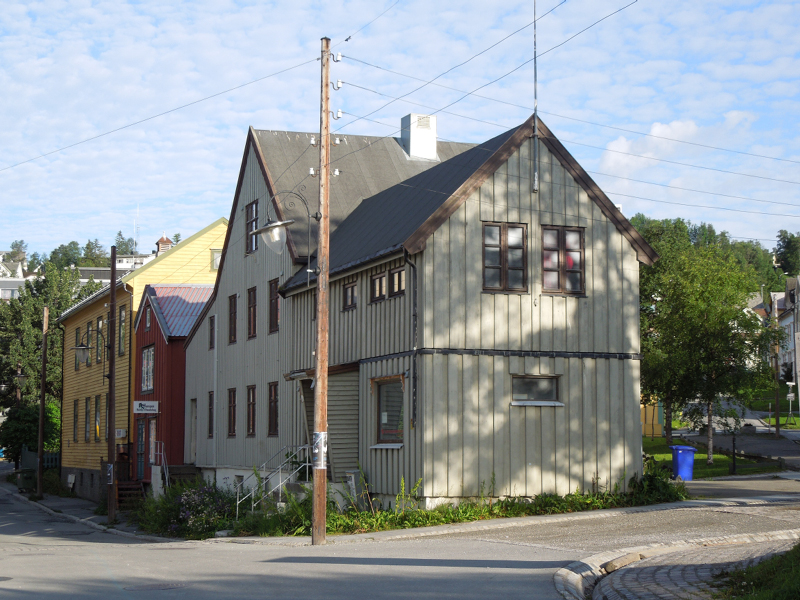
(272, 429)
(87, 419)
(89, 343)
(148, 360)
(121, 331)
(232, 412)
(505, 257)
(99, 337)
(377, 287)
(397, 282)
(75, 420)
(97, 418)
(251, 313)
(274, 306)
(147, 319)
(562, 260)
(251, 224)
(350, 295)
(390, 412)
(251, 410)
(533, 391)
(210, 414)
(212, 332)
(77, 343)
(232, 319)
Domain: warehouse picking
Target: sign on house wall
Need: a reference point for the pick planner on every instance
(145, 406)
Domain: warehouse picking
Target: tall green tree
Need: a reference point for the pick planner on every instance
(66, 255)
(21, 338)
(18, 251)
(124, 245)
(94, 255)
(788, 252)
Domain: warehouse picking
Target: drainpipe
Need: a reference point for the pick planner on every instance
(415, 330)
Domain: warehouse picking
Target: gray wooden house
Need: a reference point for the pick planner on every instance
(480, 331)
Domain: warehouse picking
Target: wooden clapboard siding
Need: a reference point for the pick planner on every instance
(257, 361)
(471, 433)
(191, 261)
(343, 423)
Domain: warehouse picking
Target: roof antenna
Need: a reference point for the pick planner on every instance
(535, 111)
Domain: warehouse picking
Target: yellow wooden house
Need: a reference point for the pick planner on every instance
(84, 427)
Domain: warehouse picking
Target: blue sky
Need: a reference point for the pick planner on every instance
(718, 73)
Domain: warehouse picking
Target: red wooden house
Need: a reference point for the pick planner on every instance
(166, 315)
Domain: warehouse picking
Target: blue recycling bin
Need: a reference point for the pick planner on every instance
(683, 462)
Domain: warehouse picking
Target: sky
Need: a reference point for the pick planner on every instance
(724, 74)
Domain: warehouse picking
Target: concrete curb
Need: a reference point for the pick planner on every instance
(491, 524)
(88, 523)
(578, 579)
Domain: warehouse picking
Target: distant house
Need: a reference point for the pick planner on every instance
(484, 337)
(84, 426)
(166, 314)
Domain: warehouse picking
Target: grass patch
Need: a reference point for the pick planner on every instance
(777, 578)
(678, 424)
(660, 451)
(787, 422)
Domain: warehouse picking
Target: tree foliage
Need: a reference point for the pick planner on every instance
(18, 252)
(21, 336)
(698, 340)
(788, 252)
(124, 245)
(94, 255)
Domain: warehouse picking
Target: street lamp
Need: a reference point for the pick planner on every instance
(83, 351)
(21, 379)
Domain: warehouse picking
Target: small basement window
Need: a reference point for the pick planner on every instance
(535, 391)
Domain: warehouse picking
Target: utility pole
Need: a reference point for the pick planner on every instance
(111, 417)
(40, 465)
(320, 448)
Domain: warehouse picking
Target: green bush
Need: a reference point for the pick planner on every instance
(193, 510)
(51, 484)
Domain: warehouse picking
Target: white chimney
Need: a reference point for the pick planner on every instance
(419, 136)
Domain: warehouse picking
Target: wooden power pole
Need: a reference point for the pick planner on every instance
(320, 448)
(111, 417)
(40, 462)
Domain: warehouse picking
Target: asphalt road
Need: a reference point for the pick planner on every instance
(46, 558)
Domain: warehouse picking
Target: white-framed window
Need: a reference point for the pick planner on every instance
(535, 391)
(148, 359)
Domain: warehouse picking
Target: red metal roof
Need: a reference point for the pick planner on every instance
(178, 306)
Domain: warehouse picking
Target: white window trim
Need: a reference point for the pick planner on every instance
(386, 447)
(536, 403)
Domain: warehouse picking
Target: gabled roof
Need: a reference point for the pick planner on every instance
(406, 215)
(137, 272)
(176, 306)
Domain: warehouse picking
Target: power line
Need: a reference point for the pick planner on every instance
(161, 114)
(347, 39)
(738, 210)
(552, 114)
(674, 162)
(506, 127)
(461, 64)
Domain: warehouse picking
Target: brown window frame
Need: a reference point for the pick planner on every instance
(397, 276)
(274, 306)
(251, 410)
(381, 296)
(89, 342)
(210, 415)
(503, 247)
(251, 313)
(562, 269)
(98, 333)
(231, 412)
(87, 420)
(349, 303)
(75, 419)
(272, 427)
(377, 390)
(212, 332)
(250, 225)
(97, 417)
(232, 308)
(121, 349)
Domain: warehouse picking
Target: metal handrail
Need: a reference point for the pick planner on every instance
(291, 457)
(161, 457)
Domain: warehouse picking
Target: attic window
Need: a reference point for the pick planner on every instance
(505, 257)
(563, 260)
